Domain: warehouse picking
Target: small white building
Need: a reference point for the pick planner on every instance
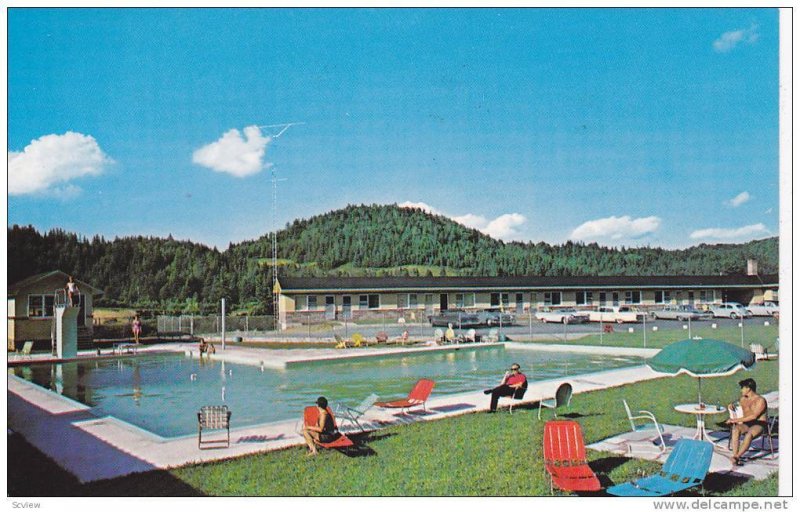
(31, 304)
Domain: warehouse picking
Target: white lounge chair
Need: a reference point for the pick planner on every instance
(352, 414)
(650, 423)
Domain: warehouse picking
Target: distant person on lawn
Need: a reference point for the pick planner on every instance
(513, 381)
(136, 328)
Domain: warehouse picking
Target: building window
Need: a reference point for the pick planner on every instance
(374, 301)
(534, 299)
(633, 297)
(413, 303)
(602, 298)
(504, 300)
(40, 306)
(552, 298)
(469, 300)
(311, 300)
(663, 297)
(494, 300)
(583, 298)
(401, 300)
(459, 300)
(706, 296)
(363, 302)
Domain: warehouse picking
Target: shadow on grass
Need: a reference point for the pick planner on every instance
(453, 407)
(602, 467)
(723, 482)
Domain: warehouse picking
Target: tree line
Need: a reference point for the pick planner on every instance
(181, 276)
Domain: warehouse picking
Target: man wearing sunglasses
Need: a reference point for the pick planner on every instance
(514, 384)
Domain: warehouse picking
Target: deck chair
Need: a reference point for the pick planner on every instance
(358, 340)
(760, 352)
(493, 336)
(686, 467)
(765, 436)
(516, 398)
(470, 336)
(650, 423)
(340, 342)
(352, 414)
(418, 396)
(563, 397)
(311, 417)
(381, 337)
(565, 458)
(213, 417)
(26, 349)
(438, 336)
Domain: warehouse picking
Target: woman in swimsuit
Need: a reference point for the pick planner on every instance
(324, 431)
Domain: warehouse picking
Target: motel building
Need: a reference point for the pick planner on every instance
(304, 300)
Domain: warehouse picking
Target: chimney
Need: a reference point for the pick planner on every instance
(752, 267)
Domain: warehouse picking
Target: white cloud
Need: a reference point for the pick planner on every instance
(615, 228)
(751, 231)
(54, 159)
(739, 199)
(234, 154)
(729, 40)
(504, 227)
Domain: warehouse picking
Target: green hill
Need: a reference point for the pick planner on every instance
(166, 274)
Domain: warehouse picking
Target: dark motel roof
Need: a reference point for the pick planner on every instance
(510, 283)
(45, 276)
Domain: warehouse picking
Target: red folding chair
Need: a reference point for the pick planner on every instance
(565, 458)
(418, 396)
(311, 418)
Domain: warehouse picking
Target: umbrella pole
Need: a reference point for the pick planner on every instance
(699, 395)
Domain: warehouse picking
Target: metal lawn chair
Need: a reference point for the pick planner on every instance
(352, 414)
(650, 422)
(563, 397)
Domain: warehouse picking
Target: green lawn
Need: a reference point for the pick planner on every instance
(765, 335)
(470, 455)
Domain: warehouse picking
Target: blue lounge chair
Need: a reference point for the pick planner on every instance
(686, 467)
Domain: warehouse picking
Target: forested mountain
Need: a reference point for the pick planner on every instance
(167, 274)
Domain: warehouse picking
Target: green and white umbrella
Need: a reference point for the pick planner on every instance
(701, 358)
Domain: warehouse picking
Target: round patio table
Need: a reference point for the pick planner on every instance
(700, 414)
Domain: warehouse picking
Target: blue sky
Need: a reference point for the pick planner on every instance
(621, 126)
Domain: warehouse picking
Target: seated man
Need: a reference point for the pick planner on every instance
(203, 347)
(513, 381)
(752, 422)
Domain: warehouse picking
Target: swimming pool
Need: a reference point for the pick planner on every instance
(162, 393)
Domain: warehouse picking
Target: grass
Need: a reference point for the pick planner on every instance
(470, 455)
(765, 335)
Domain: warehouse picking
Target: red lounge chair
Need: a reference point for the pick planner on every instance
(565, 458)
(418, 396)
(311, 417)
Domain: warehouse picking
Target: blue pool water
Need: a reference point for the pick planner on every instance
(163, 393)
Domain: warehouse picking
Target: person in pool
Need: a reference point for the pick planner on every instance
(324, 431)
(751, 424)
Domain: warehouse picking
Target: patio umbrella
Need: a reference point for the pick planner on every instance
(701, 358)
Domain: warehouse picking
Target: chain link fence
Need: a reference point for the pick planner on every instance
(212, 324)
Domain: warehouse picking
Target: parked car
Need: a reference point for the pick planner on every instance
(765, 309)
(679, 312)
(562, 315)
(618, 314)
(494, 316)
(729, 310)
(457, 317)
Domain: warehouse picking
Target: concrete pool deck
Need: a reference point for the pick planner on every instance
(96, 448)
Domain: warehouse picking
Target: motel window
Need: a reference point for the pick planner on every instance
(363, 302)
(469, 300)
(413, 302)
(633, 297)
(494, 300)
(428, 300)
(602, 298)
(552, 298)
(706, 296)
(402, 301)
(582, 298)
(311, 300)
(459, 300)
(534, 299)
(374, 301)
(40, 306)
(663, 297)
(504, 300)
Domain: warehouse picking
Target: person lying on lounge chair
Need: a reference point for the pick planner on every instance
(324, 431)
(512, 381)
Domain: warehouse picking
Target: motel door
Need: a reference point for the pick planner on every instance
(330, 307)
(347, 305)
(615, 299)
(520, 304)
(443, 302)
